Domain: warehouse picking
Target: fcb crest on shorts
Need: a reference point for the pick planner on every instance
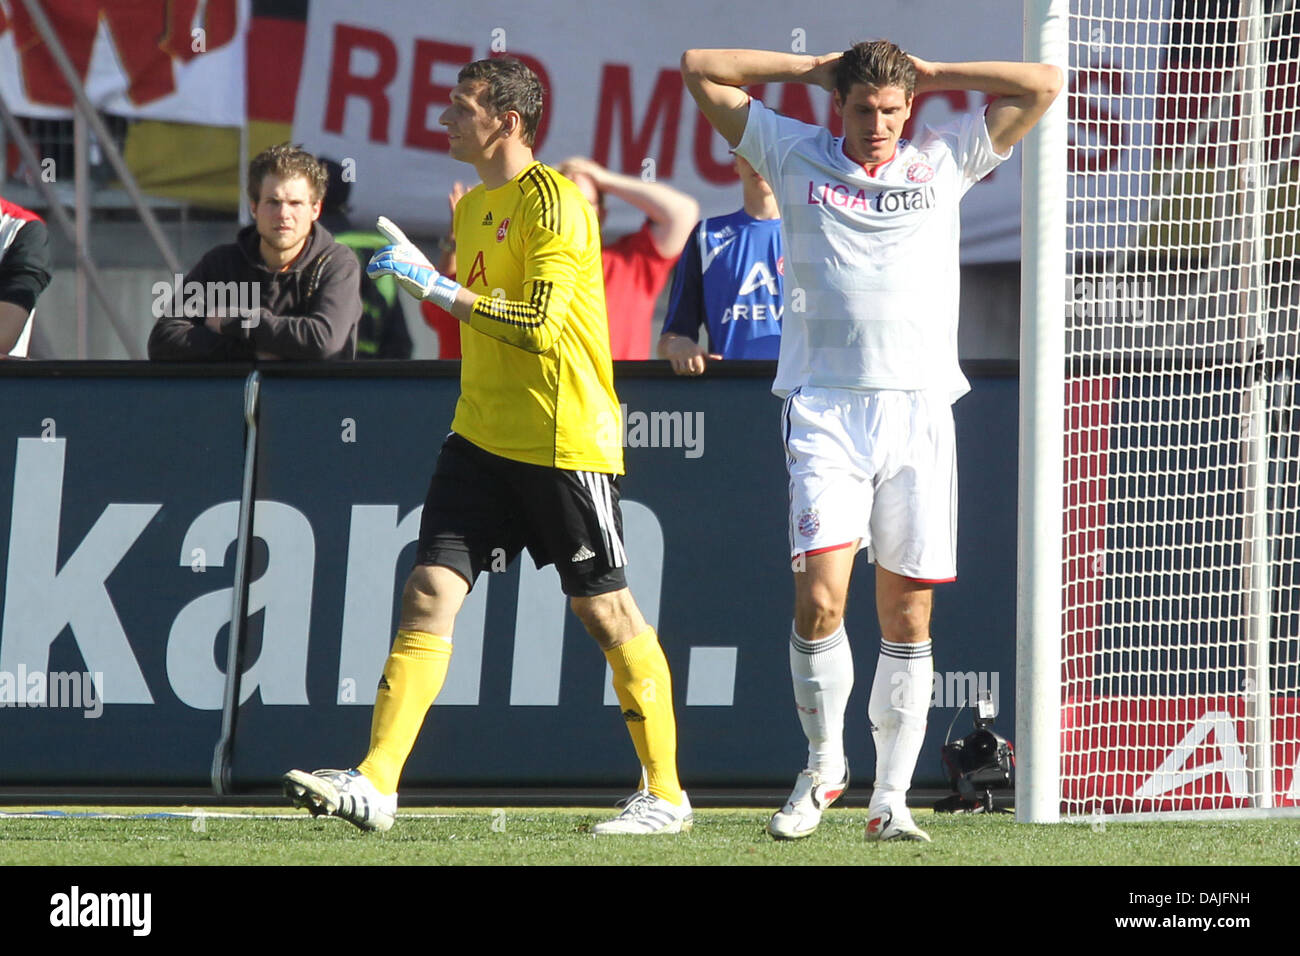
(920, 172)
(808, 522)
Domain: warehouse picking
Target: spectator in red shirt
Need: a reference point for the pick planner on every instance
(637, 266)
(446, 325)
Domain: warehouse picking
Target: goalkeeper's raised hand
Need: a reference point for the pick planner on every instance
(409, 266)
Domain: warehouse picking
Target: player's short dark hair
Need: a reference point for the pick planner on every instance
(285, 160)
(876, 63)
(510, 86)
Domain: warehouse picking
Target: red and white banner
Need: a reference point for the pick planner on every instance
(376, 78)
(178, 60)
(1149, 754)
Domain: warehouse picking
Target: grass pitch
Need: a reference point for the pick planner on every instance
(170, 837)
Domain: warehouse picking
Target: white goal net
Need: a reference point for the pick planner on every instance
(1180, 639)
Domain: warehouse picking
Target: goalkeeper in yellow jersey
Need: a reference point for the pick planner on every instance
(533, 458)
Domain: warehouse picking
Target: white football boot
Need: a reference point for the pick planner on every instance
(803, 811)
(885, 824)
(341, 793)
(644, 813)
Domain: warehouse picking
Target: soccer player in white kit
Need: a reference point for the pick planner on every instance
(868, 369)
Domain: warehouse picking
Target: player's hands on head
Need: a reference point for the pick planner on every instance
(687, 357)
(403, 261)
(823, 74)
(924, 69)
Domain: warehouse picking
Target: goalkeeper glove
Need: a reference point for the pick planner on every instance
(408, 265)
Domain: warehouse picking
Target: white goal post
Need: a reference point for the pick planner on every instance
(1158, 598)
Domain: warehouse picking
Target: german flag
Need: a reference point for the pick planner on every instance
(199, 163)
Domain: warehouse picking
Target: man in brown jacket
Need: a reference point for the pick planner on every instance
(283, 290)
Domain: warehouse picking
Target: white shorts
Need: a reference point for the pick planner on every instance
(878, 468)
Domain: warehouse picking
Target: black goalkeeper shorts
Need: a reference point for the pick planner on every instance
(482, 510)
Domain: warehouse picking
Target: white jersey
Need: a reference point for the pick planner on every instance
(874, 256)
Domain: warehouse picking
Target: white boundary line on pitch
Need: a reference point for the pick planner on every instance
(171, 815)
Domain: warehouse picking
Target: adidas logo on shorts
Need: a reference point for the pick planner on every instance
(584, 554)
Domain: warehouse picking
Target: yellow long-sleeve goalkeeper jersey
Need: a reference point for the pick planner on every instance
(537, 383)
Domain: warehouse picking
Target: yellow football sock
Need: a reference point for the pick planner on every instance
(413, 675)
(645, 692)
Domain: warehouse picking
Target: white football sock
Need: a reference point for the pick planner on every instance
(822, 673)
(899, 707)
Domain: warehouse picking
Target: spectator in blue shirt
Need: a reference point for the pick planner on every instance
(729, 281)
